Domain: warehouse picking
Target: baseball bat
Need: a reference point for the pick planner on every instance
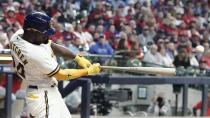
(144, 70)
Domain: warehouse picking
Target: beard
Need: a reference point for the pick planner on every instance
(45, 39)
(42, 41)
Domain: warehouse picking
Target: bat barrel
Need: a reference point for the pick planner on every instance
(98, 55)
(144, 70)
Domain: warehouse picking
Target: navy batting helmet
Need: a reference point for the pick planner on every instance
(40, 22)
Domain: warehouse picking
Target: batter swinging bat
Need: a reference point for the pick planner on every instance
(144, 70)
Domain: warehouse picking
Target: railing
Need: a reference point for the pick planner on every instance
(8, 69)
(74, 84)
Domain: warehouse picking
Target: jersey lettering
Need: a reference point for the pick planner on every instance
(18, 53)
(20, 70)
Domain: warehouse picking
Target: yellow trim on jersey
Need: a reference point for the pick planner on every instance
(32, 96)
(54, 71)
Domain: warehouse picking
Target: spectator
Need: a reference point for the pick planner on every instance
(20, 15)
(101, 47)
(75, 44)
(110, 33)
(91, 29)
(182, 59)
(198, 52)
(134, 28)
(82, 36)
(10, 16)
(68, 32)
(189, 15)
(193, 60)
(195, 39)
(58, 35)
(97, 13)
(206, 46)
(100, 29)
(118, 19)
(153, 57)
(203, 68)
(135, 55)
(170, 49)
(206, 58)
(159, 107)
(167, 61)
(145, 39)
(115, 41)
(198, 106)
(123, 43)
(4, 41)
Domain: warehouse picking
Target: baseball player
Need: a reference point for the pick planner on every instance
(35, 63)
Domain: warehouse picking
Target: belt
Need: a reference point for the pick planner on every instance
(36, 87)
(33, 87)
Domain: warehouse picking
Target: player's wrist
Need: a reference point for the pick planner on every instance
(77, 57)
(88, 71)
(82, 61)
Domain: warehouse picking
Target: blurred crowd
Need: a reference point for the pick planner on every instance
(164, 33)
(161, 33)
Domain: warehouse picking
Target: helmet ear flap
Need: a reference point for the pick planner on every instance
(49, 32)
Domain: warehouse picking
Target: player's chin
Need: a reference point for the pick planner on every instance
(45, 41)
(40, 42)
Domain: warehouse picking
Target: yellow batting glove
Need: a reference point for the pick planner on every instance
(82, 61)
(94, 69)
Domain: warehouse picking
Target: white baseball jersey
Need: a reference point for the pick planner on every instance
(36, 64)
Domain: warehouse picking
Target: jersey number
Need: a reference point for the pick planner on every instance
(20, 70)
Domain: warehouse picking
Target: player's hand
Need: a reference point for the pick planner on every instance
(94, 69)
(82, 61)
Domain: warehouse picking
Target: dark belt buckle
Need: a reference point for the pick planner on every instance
(33, 87)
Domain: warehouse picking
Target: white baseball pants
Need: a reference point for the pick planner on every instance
(45, 103)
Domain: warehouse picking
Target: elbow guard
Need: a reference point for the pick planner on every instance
(68, 74)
